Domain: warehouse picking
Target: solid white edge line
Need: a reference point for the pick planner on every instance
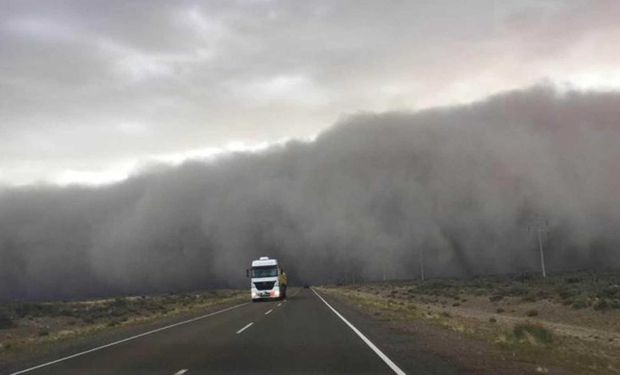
(181, 372)
(268, 312)
(128, 339)
(245, 327)
(372, 346)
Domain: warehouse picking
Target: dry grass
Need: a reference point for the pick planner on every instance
(526, 317)
(26, 325)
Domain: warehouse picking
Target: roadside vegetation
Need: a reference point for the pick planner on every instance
(25, 325)
(577, 290)
(569, 321)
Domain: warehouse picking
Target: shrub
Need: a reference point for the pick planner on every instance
(533, 333)
(532, 312)
(530, 297)
(496, 298)
(35, 309)
(500, 310)
(566, 293)
(602, 305)
(119, 302)
(610, 292)
(606, 304)
(523, 277)
(118, 312)
(492, 320)
(517, 290)
(579, 302)
(5, 320)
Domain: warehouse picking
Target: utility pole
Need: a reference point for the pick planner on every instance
(542, 253)
(541, 226)
(422, 263)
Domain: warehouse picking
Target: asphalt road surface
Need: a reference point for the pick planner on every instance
(306, 334)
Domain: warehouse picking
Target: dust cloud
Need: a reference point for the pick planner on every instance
(463, 184)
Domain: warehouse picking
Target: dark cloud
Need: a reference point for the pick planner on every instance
(463, 183)
(86, 86)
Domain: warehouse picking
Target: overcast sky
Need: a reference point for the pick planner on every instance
(90, 90)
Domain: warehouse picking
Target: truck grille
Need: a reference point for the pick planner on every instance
(264, 285)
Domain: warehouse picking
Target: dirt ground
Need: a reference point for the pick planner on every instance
(488, 331)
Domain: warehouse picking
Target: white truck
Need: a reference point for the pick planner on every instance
(268, 280)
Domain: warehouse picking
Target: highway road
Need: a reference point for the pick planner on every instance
(306, 334)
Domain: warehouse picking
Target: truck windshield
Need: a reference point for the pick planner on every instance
(267, 271)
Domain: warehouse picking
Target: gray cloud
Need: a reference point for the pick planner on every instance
(362, 200)
(86, 86)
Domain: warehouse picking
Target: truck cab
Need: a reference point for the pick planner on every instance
(268, 280)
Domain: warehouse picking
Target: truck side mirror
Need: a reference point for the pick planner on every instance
(247, 272)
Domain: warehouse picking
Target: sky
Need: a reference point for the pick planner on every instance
(92, 91)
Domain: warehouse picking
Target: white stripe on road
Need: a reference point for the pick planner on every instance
(181, 372)
(279, 304)
(245, 327)
(267, 313)
(372, 346)
(127, 339)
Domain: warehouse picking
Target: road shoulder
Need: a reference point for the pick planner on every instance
(46, 352)
(407, 351)
(419, 346)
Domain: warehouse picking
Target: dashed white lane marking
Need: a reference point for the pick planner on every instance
(372, 346)
(127, 339)
(181, 372)
(279, 304)
(245, 327)
(268, 312)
